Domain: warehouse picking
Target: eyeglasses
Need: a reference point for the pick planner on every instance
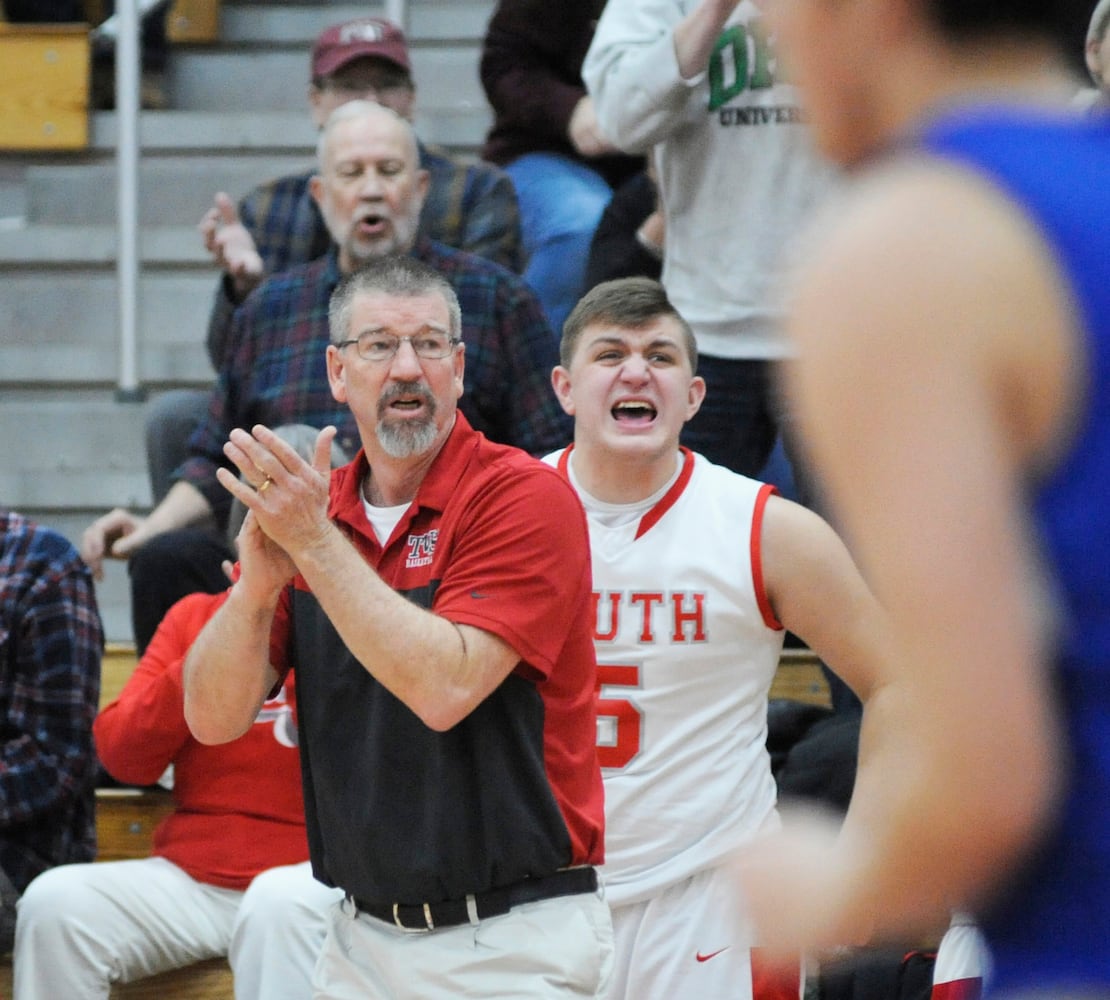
(373, 346)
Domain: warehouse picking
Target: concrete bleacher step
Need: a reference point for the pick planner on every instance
(12, 201)
(68, 332)
(447, 78)
(96, 457)
(28, 246)
(174, 190)
(265, 132)
(59, 311)
(270, 42)
(182, 130)
(428, 21)
(189, 155)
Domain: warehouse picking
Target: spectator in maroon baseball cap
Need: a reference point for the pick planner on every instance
(366, 58)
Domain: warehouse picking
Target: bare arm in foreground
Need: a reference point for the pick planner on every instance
(954, 401)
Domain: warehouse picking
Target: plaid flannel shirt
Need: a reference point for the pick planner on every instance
(51, 642)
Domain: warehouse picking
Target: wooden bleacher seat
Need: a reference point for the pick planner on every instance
(193, 22)
(44, 86)
(800, 678)
(799, 675)
(125, 821)
(115, 667)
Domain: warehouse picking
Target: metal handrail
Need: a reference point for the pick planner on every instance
(127, 197)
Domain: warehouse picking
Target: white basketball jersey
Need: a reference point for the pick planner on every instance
(687, 648)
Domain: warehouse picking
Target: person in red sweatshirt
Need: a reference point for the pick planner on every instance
(238, 811)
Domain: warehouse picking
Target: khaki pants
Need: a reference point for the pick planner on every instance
(554, 948)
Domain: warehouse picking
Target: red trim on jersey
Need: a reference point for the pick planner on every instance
(774, 980)
(668, 500)
(766, 491)
(564, 462)
(958, 989)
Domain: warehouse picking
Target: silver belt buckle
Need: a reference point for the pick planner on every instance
(415, 930)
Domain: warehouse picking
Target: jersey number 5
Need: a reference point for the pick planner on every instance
(619, 721)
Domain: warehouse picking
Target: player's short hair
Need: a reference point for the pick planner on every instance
(398, 275)
(631, 303)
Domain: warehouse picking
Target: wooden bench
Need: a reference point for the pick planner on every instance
(193, 22)
(116, 666)
(800, 678)
(44, 86)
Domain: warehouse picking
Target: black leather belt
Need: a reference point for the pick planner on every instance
(429, 916)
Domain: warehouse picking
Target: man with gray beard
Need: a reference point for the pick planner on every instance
(434, 599)
(370, 190)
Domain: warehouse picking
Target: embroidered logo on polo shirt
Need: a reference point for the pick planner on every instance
(421, 549)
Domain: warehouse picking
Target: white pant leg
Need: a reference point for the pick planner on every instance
(278, 934)
(82, 927)
(694, 939)
(963, 960)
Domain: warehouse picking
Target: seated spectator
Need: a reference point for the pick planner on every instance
(51, 643)
(468, 206)
(370, 190)
(546, 136)
(238, 811)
